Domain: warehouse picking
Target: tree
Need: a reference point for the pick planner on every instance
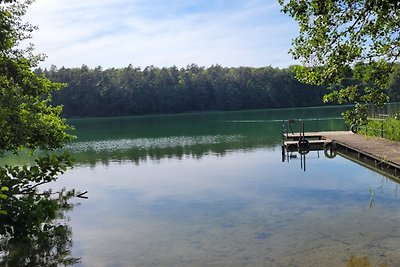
(27, 122)
(336, 38)
(26, 118)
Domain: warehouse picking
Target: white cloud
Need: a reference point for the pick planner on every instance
(161, 33)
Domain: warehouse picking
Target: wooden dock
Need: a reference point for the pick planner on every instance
(315, 140)
(319, 144)
(384, 152)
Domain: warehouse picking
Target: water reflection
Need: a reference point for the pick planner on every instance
(331, 151)
(143, 138)
(328, 151)
(245, 209)
(246, 123)
(211, 191)
(139, 139)
(35, 232)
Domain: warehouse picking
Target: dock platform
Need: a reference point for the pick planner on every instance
(315, 140)
(313, 144)
(384, 152)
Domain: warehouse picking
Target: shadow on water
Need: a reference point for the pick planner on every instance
(388, 172)
(331, 152)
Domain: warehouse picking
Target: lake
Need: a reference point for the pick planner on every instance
(210, 189)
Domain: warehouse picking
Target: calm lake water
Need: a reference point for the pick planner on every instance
(211, 189)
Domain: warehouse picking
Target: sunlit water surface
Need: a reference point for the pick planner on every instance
(211, 190)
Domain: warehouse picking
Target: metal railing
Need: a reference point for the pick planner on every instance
(315, 124)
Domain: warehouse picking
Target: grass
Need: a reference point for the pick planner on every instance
(387, 128)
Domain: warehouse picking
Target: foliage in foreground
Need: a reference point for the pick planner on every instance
(29, 232)
(27, 120)
(338, 36)
(31, 224)
(356, 116)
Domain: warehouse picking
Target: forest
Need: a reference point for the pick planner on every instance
(152, 90)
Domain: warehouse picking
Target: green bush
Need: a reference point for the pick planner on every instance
(388, 128)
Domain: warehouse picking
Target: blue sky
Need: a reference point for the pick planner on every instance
(162, 33)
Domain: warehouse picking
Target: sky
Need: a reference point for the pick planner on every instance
(162, 33)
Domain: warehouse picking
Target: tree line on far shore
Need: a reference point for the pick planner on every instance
(135, 91)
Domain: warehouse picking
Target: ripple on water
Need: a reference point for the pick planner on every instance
(152, 143)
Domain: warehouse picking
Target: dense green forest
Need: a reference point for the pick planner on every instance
(136, 91)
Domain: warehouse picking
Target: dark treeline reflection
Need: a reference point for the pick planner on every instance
(266, 123)
(138, 139)
(136, 154)
(135, 91)
(142, 138)
(35, 232)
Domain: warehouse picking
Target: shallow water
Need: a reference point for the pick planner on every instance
(211, 190)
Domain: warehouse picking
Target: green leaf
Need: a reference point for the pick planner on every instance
(4, 188)
(348, 45)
